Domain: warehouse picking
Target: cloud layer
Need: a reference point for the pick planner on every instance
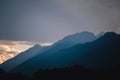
(9, 48)
(7, 52)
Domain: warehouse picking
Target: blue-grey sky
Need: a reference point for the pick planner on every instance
(51, 20)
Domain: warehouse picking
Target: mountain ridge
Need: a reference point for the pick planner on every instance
(20, 58)
(101, 53)
(66, 42)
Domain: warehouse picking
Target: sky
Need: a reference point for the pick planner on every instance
(51, 20)
(24, 23)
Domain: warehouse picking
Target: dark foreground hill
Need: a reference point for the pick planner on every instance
(68, 73)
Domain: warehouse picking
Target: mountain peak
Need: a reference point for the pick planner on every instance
(80, 34)
(110, 35)
(81, 37)
(77, 38)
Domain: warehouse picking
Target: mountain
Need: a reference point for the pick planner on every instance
(71, 40)
(81, 37)
(66, 42)
(101, 53)
(12, 63)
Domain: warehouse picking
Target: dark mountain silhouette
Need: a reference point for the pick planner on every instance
(12, 63)
(68, 73)
(66, 42)
(101, 53)
(78, 73)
